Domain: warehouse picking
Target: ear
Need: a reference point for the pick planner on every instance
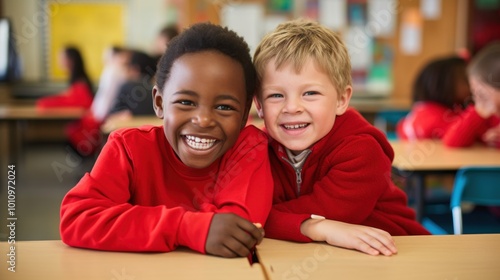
(157, 102)
(343, 101)
(258, 106)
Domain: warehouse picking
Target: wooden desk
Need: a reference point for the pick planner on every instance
(419, 257)
(30, 112)
(54, 260)
(135, 121)
(12, 120)
(415, 160)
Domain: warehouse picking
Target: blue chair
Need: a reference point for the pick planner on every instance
(478, 185)
(386, 121)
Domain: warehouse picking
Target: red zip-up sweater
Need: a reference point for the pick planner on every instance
(469, 128)
(140, 197)
(346, 177)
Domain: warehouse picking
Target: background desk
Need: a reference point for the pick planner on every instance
(12, 120)
(416, 159)
(54, 260)
(419, 257)
(135, 121)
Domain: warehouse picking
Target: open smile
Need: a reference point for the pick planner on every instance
(294, 126)
(199, 143)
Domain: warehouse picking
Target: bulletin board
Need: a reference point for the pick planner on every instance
(91, 27)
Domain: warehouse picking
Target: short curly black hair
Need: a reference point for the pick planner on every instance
(206, 37)
(437, 80)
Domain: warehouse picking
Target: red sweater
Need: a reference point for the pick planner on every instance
(469, 128)
(427, 120)
(77, 95)
(346, 177)
(140, 197)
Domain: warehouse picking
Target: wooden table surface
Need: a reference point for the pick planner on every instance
(55, 260)
(419, 257)
(30, 112)
(433, 155)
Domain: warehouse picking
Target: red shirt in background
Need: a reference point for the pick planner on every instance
(77, 95)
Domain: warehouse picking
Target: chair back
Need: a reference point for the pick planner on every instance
(386, 121)
(479, 185)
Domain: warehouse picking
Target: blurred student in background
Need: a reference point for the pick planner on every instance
(84, 135)
(79, 94)
(440, 93)
(481, 122)
(134, 96)
(113, 76)
(165, 35)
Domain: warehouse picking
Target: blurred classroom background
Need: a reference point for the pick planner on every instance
(389, 42)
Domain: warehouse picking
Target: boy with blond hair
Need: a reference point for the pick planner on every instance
(331, 168)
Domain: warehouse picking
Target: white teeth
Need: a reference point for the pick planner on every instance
(295, 126)
(199, 143)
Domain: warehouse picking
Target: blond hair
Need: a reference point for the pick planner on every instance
(297, 40)
(485, 65)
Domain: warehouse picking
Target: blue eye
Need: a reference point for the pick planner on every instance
(275, 95)
(311, 93)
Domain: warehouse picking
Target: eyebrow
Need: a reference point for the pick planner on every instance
(219, 97)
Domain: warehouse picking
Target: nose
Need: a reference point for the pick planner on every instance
(293, 105)
(203, 118)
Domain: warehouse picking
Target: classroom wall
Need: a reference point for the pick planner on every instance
(440, 37)
(143, 19)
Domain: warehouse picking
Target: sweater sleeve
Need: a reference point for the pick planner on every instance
(466, 130)
(357, 176)
(285, 225)
(98, 212)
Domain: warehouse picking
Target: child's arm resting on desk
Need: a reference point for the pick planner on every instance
(466, 130)
(368, 240)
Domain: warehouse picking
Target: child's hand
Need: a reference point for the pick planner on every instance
(232, 236)
(492, 136)
(369, 240)
(484, 102)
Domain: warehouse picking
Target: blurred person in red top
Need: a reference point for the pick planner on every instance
(79, 94)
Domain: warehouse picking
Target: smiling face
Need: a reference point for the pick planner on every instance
(202, 106)
(299, 108)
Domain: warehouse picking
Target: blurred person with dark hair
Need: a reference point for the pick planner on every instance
(134, 96)
(84, 135)
(440, 93)
(79, 94)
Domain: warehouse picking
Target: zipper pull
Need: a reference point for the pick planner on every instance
(299, 180)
